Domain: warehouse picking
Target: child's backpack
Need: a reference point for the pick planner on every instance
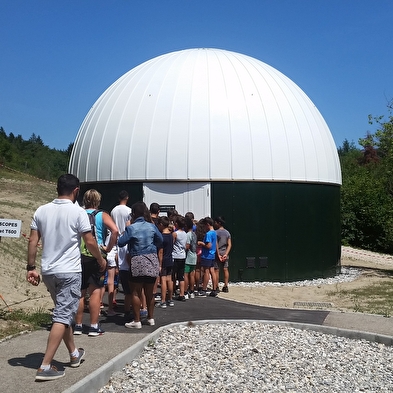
(92, 219)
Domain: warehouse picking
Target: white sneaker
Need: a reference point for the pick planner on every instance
(134, 325)
(186, 296)
(191, 295)
(151, 322)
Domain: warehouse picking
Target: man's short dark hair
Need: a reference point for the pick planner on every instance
(154, 208)
(66, 184)
(123, 195)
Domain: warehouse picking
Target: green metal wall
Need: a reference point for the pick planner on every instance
(296, 226)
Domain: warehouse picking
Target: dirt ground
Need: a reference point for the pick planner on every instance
(19, 197)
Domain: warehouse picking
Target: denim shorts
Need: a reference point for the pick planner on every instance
(65, 291)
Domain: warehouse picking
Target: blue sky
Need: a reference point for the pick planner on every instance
(58, 57)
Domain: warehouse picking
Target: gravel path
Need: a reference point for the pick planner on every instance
(255, 357)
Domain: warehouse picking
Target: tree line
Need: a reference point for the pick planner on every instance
(367, 188)
(33, 156)
(366, 192)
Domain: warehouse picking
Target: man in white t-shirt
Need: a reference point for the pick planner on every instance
(60, 225)
(121, 214)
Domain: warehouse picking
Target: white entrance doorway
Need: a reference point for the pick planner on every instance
(184, 197)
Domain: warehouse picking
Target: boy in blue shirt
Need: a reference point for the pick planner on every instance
(209, 245)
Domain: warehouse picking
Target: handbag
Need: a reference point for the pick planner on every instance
(145, 265)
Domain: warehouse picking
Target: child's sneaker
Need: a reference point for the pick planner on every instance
(151, 322)
(133, 325)
(95, 332)
(162, 305)
(157, 297)
(111, 313)
(78, 330)
(170, 303)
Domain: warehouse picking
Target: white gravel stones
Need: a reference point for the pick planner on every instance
(346, 275)
(255, 357)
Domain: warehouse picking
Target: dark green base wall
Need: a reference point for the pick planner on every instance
(295, 226)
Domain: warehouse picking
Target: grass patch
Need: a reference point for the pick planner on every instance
(372, 299)
(14, 322)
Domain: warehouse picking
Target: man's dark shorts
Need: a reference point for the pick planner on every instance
(124, 276)
(207, 262)
(91, 274)
(166, 271)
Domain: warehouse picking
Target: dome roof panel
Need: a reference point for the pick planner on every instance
(204, 114)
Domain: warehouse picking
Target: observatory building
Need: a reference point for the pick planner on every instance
(220, 133)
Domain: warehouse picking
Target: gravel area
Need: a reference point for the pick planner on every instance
(260, 357)
(255, 357)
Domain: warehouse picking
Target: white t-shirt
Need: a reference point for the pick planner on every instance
(61, 224)
(120, 215)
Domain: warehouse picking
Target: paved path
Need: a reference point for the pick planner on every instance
(21, 356)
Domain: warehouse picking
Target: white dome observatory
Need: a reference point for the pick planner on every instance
(221, 133)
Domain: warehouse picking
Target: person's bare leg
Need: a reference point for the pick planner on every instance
(192, 281)
(56, 334)
(94, 303)
(81, 307)
(156, 285)
(163, 288)
(68, 339)
(127, 302)
(186, 281)
(148, 289)
(181, 288)
(206, 276)
(111, 287)
(136, 289)
(142, 299)
(214, 278)
(226, 276)
(169, 287)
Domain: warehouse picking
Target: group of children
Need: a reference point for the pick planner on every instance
(193, 252)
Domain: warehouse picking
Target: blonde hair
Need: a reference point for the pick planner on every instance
(91, 199)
